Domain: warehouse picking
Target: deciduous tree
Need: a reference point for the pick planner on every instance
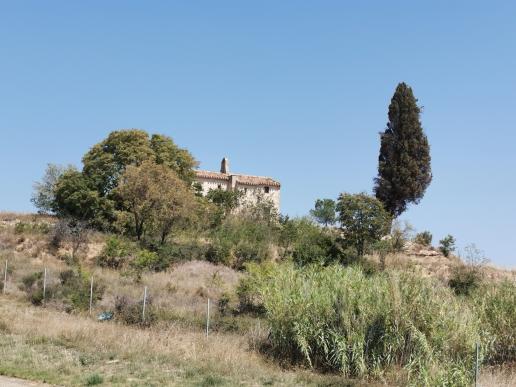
(156, 198)
(363, 220)
(324, 212)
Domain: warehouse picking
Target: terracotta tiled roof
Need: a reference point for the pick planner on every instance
(240, 179)
(211, 175)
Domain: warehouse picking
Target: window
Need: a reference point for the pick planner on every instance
(266, 189)
(219, 186)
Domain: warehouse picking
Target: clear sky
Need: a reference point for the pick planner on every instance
(297, 90)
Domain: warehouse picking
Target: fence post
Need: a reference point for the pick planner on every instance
(44, 284)
(91, 294)
(208, 319)
(5, 277)
(144, 303)
(477, 349)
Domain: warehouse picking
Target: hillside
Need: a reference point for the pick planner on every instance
(65, 345)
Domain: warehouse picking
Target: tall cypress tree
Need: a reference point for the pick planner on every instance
(404, 170)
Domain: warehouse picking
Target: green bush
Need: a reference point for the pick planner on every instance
(447, 245)
(241, 239)
(149, 260)
(494, 304)
(94, 380)
(464, 279)
(424, 238)
(338, 319)
(182, 251)
(32, 284)
(115, 253)
(75, 289)
(34, 228)
(130, 311)
(307, 243)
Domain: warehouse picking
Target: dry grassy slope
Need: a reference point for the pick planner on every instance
(429, 261)
(43, 344)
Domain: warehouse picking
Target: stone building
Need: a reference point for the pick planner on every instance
(253, 187)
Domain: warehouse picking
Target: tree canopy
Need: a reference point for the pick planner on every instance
(363, 220)
(105, 162)
(156, 198)
(404, 171)
(324, 212)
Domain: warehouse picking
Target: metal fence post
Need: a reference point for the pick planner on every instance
(144, 303)
(5, 277)
(91, 294)
(44, 284)
(208, 319)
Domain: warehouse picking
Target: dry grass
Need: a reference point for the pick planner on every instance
(48, 345)
(59, 348)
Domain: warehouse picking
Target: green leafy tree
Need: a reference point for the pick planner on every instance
(226, 201)
(155, 197)
(106, 161)
(363, 220)
(76, 198)
(447, 245)
(404, 170)
(324, 212)
(43, 196)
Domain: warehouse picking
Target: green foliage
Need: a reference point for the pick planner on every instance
(424, 238)
(43, 196)
(324, 212)
(76, 198)
(246, 237)
(32, 228)
(32, 284)
(464, 279)
(156, 199)
(116, 253)
(308, 243)
(106, 161)
(75, 289)
(94, 380)
(338, 319)
(447, 245)
(494, 304)
(226, 201)
(149, 260)
(400, 235)
(130, 311)
(404, 170)
(363, 220)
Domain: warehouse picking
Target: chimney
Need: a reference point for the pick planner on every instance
(224, 166)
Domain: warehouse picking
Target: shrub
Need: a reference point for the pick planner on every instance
(464, 279)
(494, 304)
(149, 260)
(447, 245)
(32, 284)
(94, 380)
(424, 238)
(115, 253)
(307, 243)
(183, 251)
(241, 239)
(35, 228)
(75, 289)
(130, 311)
(338, 319)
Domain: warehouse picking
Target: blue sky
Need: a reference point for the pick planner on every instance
(294, 90)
